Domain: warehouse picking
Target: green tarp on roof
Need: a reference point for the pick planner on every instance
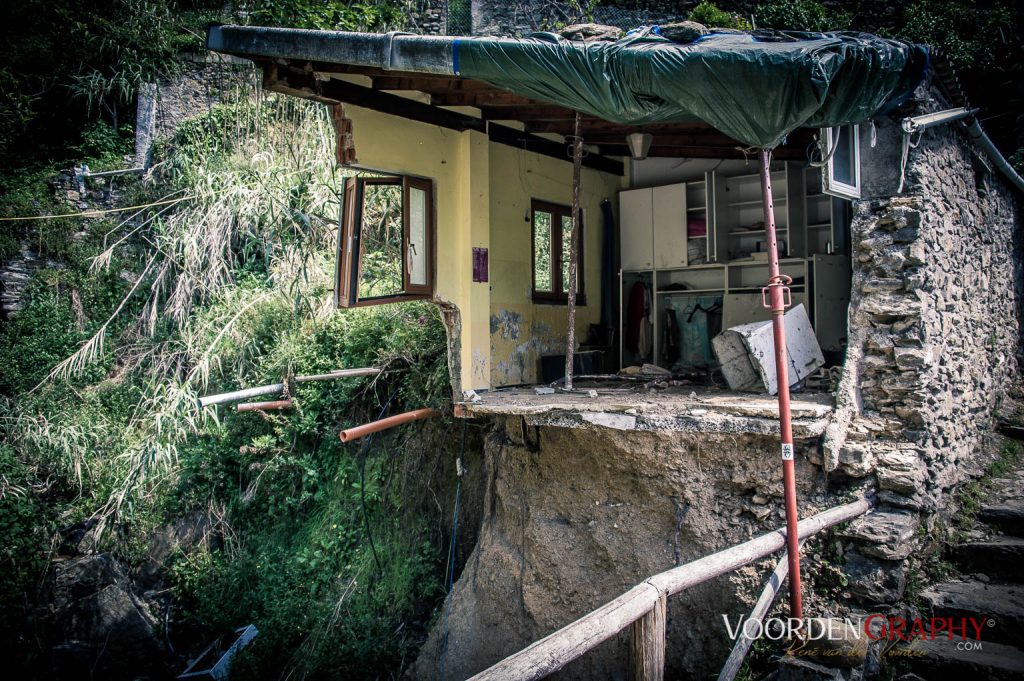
(755, 88)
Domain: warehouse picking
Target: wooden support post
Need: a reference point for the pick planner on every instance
(761, 608)
(574, 256)
(647, 654)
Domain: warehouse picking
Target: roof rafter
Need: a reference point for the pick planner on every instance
(302, 83)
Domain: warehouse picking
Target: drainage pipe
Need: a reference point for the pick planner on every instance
(265, 406)
(777, 297)
(240, 394)
(978, 135)
(357, 432)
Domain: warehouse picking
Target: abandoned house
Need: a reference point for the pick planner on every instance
(897, 234)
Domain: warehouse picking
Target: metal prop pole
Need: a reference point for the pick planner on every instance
(574, 240)
(776, 296)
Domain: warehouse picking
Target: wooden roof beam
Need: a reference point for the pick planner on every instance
(533, 112)
(596, 126)
(333, 91)
(440, 85)
(780, 153)
(480, 99)
(339, 91)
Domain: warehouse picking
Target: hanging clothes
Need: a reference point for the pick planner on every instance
(638, 320)
(634, 317)
(671, 340)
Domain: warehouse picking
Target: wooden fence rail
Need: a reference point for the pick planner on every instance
(556, 650)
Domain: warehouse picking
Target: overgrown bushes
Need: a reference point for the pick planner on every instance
(230, 287)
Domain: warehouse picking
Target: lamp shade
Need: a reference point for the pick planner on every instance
(639, 144)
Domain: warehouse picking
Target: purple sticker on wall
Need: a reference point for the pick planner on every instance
(479, 265)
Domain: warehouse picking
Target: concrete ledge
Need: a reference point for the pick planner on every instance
(682, 410)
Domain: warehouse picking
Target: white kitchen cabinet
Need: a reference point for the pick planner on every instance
(669, 212)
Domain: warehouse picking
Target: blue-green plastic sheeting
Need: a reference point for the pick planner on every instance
(754, 88)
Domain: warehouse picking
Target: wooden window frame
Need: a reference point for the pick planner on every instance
(556, 294)
(349, 251)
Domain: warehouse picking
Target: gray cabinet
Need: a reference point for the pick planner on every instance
(830, 282)
(669, 213)
(636, 233)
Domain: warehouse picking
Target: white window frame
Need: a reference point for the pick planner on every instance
(833, 186)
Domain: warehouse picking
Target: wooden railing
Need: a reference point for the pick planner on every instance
(644, 608)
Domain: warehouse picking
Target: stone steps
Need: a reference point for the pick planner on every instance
(1000, 557)
(1001, 603)
(1008, 516)
(943, 660)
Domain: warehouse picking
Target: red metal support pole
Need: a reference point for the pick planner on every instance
(778, 298)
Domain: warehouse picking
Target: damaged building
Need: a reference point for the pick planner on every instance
(898, 236)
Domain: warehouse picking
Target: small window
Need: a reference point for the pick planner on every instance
(385, 241)
(842, 173)
(552, 235)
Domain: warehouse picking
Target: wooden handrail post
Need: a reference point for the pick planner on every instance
(647, 650)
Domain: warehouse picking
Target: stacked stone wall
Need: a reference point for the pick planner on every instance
(203, 81)
(935, 337)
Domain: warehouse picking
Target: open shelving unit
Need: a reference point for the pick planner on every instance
(705, 240)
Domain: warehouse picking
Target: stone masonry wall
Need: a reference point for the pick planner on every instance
(204, 81)
(934, 339)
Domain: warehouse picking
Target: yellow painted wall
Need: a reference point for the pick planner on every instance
(457, 163)
(521, 331)
(482, 195)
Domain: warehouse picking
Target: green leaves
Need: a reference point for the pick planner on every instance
(708, 14)
(800, 15)
(366, 15)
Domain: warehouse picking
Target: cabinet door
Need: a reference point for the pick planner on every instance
(831, 286)
(796, 211)
(636, 230)
(669, 226)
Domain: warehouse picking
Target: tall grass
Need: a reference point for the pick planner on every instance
(251, 233)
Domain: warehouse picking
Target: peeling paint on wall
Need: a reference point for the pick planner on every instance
(519, 363)
(506, 324)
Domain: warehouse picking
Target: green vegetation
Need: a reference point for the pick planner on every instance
(708, 14)
(800, 15)
(229, 286)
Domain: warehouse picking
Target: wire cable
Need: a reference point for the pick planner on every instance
(91, 213)
(361, 458)
(450, 569)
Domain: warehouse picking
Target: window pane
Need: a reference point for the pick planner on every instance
(417, 237)
(566, 246)
(844, 158)
(542, 251)
(381, 236)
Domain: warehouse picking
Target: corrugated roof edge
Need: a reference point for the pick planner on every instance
(391, 51)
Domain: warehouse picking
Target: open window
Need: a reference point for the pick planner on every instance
(385, 241)
(841, 176)
(551, 238)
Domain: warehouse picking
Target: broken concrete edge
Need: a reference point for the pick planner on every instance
(701, 417)
(511, 403)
